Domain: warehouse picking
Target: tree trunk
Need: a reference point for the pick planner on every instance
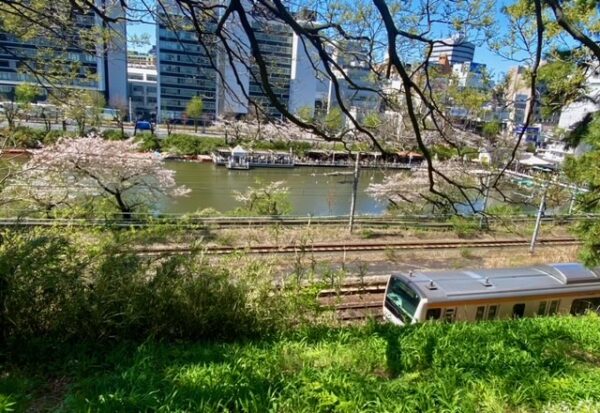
(126, 212)
(81, 128)
(195, 125)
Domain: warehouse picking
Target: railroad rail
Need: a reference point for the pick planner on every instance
(354, 303)
(350, 247)
(222, 222)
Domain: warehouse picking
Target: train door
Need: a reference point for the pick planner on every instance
(518, 310)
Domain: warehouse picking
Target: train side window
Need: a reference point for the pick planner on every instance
(433, 314)
(542, 308)
(581, 305)
(492, 312)
(518, 310)
(553, 307)
(449, 315)
(479, 313)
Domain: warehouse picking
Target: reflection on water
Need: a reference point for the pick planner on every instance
(316, 191)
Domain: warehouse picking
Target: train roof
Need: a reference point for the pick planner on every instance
(467, 285)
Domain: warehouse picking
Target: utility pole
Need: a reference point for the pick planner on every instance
(130, 114)
(483, 219)
(572, 201)
(354, 191)
(538, 220)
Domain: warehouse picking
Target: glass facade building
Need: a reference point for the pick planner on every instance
(75, 62)
(185, 68)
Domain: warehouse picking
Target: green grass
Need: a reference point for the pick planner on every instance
(547, 364)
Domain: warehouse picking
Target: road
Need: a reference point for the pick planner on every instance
(161, 130)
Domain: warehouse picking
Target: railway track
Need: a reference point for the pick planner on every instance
(352, 247)
(354, 303)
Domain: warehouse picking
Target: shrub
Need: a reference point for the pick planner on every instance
(191, 145)
(114, 135)
(368, 234)
(464, 227)
(24, 137)
(147, 142)
(83, 286)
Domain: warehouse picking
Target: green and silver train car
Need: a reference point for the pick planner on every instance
(490, 294)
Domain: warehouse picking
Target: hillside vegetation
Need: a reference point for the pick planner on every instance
(545, 364)
(89, 325)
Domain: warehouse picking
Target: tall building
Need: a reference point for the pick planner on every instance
(456, 49)
(142, 85)
(575, 112)
(307, 86)
(241, 88)
(470, 75)
(275, 42)
(518, 101)
(103, 69)
(185, 67)
(355, 85)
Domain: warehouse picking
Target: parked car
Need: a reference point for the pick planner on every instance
(143, 125)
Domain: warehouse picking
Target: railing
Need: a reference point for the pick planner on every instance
(140, 220)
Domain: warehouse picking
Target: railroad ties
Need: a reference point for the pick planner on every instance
(333, 247)
(354, 303)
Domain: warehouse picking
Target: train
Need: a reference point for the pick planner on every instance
(491, 294)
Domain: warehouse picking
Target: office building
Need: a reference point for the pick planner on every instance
(357, 90)
(142, 85)
(185, 67)
(470, 75)
(103, 69)
(456, 49)
(574, 112)
(242, 92)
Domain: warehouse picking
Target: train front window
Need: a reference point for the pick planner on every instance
(401, 299)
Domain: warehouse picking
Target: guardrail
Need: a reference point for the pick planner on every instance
(441, 221)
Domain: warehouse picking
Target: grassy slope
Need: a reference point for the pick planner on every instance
(548, 364)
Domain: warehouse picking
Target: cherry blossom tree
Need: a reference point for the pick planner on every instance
(409, 191)
(91, 167)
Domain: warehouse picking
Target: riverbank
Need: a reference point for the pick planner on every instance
(528, 365)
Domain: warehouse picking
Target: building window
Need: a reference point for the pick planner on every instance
(135, 76)
(151, 78)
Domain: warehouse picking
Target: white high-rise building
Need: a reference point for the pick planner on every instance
(456, 49)
(576, 111)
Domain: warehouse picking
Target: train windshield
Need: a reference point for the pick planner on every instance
(401, 300)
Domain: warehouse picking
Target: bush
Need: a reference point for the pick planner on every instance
(65, 285)
(114, 135)
(464, 227)
(147, 142)
(191, 145)
(53, 136)
(504, 210)
(24, 137)
(279, 145)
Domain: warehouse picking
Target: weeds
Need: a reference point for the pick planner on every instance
(467, 253)
(464, 227)
(529, 365)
